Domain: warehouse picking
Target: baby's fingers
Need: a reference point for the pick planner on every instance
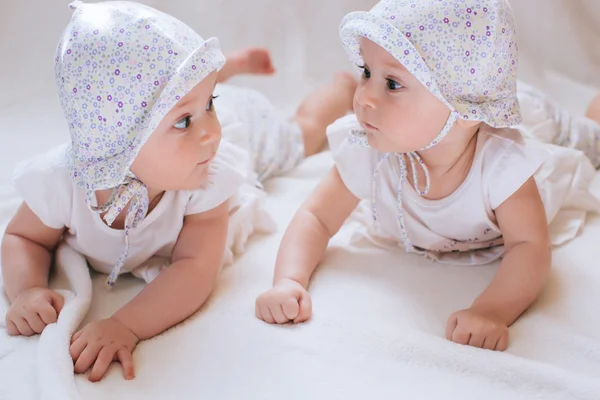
(58, 301)
(291, 308)
(126, 360)
(490, 342)
(48, 314)
(105, 357)
(257, 312)
(451, 326)
(305, 309)
(87, 358)
(35, 322)
(23, 326)
(477, 340)
(461, 335)
(77, 346)
(266, 315)
(11, 328)
(278, 314)
(502, 342)
(75, 336)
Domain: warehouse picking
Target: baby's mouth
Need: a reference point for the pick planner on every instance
(368, 126)
(207, 160)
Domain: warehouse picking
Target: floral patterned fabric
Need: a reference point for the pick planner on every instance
(464, 51)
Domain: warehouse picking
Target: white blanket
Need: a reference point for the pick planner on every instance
(377, 330)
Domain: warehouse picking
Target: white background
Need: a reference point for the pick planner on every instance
(302, 35)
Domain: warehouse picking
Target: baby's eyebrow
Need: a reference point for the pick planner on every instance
(183, 103)
(396, 66)
(393, 64)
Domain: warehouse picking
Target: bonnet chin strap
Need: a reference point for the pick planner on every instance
(133, 192)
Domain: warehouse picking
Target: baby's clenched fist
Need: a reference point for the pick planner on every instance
(32, 310)
(286, 301)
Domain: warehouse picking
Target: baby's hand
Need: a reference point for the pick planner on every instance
(32, 310)
(286, 301)
(478, 328)
(101, 342)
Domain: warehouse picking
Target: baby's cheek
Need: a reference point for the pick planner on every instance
(355, 106)
(190, 154)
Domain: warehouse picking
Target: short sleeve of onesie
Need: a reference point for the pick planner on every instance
(518, 161)
(46, 187)
(229, 171)
(354, 162)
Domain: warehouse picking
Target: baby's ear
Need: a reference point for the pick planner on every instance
(466, 124)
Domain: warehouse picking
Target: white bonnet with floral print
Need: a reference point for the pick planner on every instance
(464, 51)
(120, 67)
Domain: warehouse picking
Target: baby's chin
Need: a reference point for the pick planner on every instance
(199, 177)
(383, 145)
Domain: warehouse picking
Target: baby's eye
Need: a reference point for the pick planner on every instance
(210, 104)
(183, 123)
(366, 73)
(393, 85)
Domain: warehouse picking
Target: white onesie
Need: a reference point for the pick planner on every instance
(461, 228)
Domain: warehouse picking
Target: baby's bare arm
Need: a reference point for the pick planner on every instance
(301, 250)
(26, 252)
(526, 264)
(307, 236)
(180, 290)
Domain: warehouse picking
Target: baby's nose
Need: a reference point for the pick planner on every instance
(211, 137)
(364, 98)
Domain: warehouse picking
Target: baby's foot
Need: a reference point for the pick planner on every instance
(253, 60)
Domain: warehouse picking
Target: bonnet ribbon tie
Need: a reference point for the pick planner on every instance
(130, 191)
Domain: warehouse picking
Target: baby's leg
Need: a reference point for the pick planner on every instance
(277, 144)
(249, 120)
(322, 107)
(545, 120)
(583, 133)
(251, 60)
